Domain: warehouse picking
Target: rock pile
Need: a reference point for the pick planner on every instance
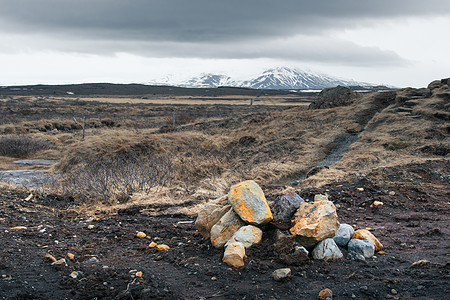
(236, 221)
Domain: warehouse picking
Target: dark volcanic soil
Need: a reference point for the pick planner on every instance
(412, 224)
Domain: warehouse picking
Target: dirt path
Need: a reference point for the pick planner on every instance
(412, 224)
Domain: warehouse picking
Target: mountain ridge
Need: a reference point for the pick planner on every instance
(281, 78)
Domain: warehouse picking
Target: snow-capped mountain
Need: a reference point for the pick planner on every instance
(287, 78)
(209, 81)
(282, 78)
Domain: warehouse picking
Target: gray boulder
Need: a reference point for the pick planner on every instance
(333, 97)
(343, 235)
(284, 209)
(327, 250)
(362, 247)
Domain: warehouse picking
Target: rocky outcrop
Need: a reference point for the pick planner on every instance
(249, 202)
(314, 222)
(333, 97)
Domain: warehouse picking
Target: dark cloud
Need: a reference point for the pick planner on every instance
(231, 28)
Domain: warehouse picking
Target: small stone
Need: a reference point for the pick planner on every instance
(139, 274)
(162, 247)
(249, 202)
(60, 262)
(364, 234)
(360, 189)
(327, 250)
(392, 193)
(362, 247)
(91, 226)
(141, 235)
(152, 245)
(214, 278)
(247, 235)
(234, 255)
(74, 274)
(344, 234)
(326, 294)
(50, 258)
(18, 228)
(299, 249)
(281, 274)
(376, 203)
(421, 263)
(71, 256)
(394, 292)
(93, 260)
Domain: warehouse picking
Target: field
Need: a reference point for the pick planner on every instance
(149, 161)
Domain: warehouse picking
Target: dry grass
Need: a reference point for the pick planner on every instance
(272, 147)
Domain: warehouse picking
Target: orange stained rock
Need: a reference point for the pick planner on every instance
(364, 234)
(152, 244)
(139, 274)
(70, 255)
(326, 293)
(162, 247)
(249, 202)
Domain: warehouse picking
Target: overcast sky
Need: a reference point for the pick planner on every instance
(401, 43)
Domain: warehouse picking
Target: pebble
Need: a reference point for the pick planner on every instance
(74, 274)
(344, 234)
(141, 235)
(60, 262)
(281, 274)
(50, 258)
(326, 294)
(394, 292)
(70, 255)
(139, 274)
(91, 226)
(93, 260)
(152, 245)
(162, 247)
(18, 228)
(214, 278)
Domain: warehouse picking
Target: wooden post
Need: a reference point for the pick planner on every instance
(174, 116)
(251, 106)
(84, 126)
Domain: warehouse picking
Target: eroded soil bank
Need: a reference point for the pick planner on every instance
(412, 224)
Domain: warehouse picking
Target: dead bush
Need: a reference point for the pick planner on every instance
(23, 146)
(111, 179)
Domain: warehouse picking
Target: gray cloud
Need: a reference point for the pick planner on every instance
(208, 28)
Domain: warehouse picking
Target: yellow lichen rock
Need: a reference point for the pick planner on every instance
(314, 222)
(234, 255)
(249, 202)
(364, 234)
(224, 229)
(152, 245)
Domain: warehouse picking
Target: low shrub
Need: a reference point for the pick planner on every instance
(111, 179)
(23, 146)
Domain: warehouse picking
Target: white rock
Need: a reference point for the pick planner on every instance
(327, 250)
(247, 235)
(343, 235)
(281, 274)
